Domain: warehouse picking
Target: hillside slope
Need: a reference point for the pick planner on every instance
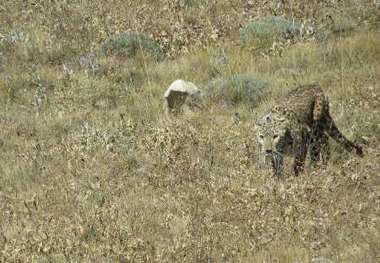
(91, 171)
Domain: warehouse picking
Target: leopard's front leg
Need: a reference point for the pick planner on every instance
(300, 152)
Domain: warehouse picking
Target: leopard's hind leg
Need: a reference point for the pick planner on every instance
(319, 147)
(300, 152)
(332, 130)
(324, 122)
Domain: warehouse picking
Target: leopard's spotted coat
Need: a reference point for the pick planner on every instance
(300, 122)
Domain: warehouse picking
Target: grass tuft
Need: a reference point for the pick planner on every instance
(91, 170)
(236, 89)
(267, 29)
(129, 44)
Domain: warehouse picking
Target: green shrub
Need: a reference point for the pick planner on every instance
(129, 44)
(14, 44)
(13, 37)
(267, 29)
(236, 89)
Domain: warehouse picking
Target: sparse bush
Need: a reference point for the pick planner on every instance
(13, 37)
(340, 25)
(129, 44)
(15, 44)
(236, 89)
(10, 88)
(267, 29)
(90, 64)
(127, 73)
(343, 25)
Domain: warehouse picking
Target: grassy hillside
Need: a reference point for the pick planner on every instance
(91, 171)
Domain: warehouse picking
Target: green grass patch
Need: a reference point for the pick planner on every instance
(129, 44)
(236, 89)
(265, 30)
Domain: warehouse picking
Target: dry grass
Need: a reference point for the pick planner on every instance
(90, 171)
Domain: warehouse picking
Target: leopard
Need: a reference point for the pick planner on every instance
(299, 123)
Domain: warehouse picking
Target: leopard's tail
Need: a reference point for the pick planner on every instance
(321, 103)
(321, 116)
(334, 132)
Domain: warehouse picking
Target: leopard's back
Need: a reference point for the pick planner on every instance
(305, 104)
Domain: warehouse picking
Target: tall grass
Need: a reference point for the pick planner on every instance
(91, 171)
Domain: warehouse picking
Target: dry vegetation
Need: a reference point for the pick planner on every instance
(90, 171)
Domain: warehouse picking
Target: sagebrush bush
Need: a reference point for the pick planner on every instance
(129, 44)
(13, 37)
(15, 44)
(267, 29)
(236, 89)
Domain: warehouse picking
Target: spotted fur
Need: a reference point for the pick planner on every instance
(298, 124)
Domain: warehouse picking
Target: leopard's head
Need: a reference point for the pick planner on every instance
(273, 136)
(194, 99)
